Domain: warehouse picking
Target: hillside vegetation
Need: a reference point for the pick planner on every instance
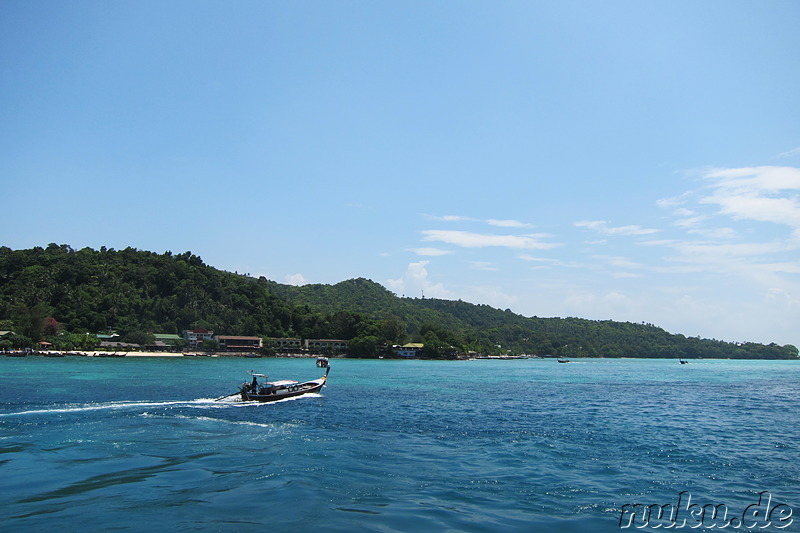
(60, 294)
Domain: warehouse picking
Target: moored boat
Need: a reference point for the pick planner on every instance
(270, 391)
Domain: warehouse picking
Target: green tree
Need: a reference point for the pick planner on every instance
(210, 345)
(142, 338)
(433, 347)
(31, 320)
(393, 329)
(369, 346)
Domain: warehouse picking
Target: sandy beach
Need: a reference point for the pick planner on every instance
(160, 354)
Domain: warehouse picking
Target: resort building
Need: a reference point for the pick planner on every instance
(196, 337)
(166, 341)
(319, 346)
(334, 346)
(287, 345)
(233, 343)
(412, 349)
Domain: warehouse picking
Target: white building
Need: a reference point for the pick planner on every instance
(196, 337)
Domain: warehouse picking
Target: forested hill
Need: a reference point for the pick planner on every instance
(55, 292)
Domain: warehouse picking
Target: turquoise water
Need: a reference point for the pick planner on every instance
(139, 444)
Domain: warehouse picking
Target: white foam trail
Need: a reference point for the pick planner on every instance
(202, 403)
(233, 422)
(110, 405)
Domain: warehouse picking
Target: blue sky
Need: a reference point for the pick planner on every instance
(626, 160)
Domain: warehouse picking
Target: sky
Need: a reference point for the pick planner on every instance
(631, 160)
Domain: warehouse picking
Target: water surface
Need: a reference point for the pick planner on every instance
(139, 444)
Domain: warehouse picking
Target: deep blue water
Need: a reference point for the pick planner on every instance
(138, 444)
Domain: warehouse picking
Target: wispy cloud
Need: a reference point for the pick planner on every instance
(468, 239)
(549, 261)
(508, 223)
(484, 265)
(499, 223)
(693, 221)
(667, 203)
(451, 218)
(602, 226)
(705, 251)
(763, 194)
(790, 153)
(429, 252)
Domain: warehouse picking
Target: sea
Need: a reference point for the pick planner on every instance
(143, 444)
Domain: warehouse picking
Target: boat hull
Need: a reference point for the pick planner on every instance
(283, 393)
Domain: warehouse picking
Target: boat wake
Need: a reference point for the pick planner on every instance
(105, 406)
(199, 403)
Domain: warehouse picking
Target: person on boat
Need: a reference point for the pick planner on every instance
(254, 384)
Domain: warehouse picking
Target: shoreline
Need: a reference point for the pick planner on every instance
(99, 353)
(249, 355)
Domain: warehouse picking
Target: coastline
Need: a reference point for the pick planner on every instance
(98, 353)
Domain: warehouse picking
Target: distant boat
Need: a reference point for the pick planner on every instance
(560, 360)
(684, 362)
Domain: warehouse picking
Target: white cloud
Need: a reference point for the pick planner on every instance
(668, 203)
(549, 261)
(603, 227)
(500, 223)
(785, 211)
(716, 234)
(450, 218)
(430, 252)
(756, 179)
(507, 223)
(762, 194)
(415, 283)
(698, 251)
(623, 275)
(690, 222)
(483, 265)
(790, 153)
(468, 239)
(782, 298)
(295, 279)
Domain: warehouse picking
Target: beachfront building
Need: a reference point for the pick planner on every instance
(234, 343)
(286, 345)
(167, 341)
(330, 346)
(196, 337)
(412, 349)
